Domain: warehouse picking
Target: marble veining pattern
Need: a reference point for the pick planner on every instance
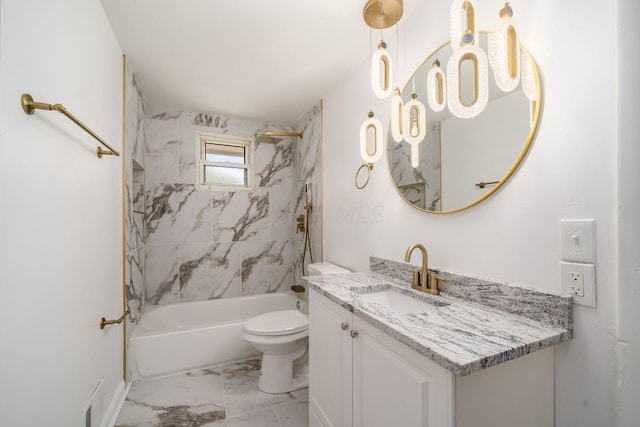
(554, 310)
(134, 239)
(204, 244)
(463, 337)
(225, 396)
(421, 185)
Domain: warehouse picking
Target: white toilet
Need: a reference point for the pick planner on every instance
(281, 336)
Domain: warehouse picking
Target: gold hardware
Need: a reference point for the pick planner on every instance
(425, 269)
(29, 106)
(353, 333)
(297, 288)
(104, 322)
(300, 225)
(369, 168)
(269, 133)
(433, 284)
(382, 14)
(344, 326)
(484, 184)
(422, 280)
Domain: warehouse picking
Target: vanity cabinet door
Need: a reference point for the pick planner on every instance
(395, 386)
(330, 357)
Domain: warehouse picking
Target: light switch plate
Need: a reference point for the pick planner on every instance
(577, 240)
(579, 278)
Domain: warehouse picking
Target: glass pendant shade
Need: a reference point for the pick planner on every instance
(381, 73)
(436, 88)
(504, 53)
(463, 22)
(529, 86)
(415, 155)
(374, 125)
(397, 108)
(414, 121)
(457, 105)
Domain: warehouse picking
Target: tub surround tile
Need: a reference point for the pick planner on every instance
(551, 309)
(178, 213)
(210, 270)
(240, 216)
(281, 222)
(273, 163)
(260, 222)
(161, 278)
(463, 337)
(267, 267)
(134, 288)
(162, 154)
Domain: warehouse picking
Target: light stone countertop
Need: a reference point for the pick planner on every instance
(463, 337)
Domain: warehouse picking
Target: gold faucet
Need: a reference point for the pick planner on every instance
(423, 281)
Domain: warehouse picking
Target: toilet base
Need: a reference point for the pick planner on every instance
(278, 375)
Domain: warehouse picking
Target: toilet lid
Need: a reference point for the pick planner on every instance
(281, 322)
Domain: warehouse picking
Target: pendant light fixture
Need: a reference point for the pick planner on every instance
(466, 49)
(371, 124)
(397, 110)
(378, 14)
(436, 87)
(462, 20)
(504, 51)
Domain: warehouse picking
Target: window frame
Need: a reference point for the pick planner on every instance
(203, 138)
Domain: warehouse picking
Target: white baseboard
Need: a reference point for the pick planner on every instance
(111, 416)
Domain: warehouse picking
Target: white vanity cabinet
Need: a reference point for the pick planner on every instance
(362, 377)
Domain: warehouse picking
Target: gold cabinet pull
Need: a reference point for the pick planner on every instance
(104, 322)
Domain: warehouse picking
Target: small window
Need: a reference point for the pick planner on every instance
(224, 162)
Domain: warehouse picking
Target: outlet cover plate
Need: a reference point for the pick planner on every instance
(588, 272)
(577, 240)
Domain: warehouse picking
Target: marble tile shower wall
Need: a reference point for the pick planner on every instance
(204, 244)
(135, 147)
(307, 169)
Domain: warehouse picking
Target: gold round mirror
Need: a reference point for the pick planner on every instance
(464, 161)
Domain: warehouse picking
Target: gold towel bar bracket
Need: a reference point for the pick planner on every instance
(104, 322)
(30, 106)
(484, 184)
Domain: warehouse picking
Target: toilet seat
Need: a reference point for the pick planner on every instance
(282, 322)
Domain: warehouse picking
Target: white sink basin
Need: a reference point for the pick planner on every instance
(400, 302)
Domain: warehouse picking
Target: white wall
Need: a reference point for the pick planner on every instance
(570, 172)
(61, 228)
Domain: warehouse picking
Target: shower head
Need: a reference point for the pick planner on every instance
(268, 136)
(267, 139)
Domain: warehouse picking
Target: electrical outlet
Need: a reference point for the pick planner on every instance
(576, 283)
(579, 281)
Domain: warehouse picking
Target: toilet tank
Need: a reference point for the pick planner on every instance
(323, 268)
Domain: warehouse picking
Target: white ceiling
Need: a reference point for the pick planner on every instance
(264, 59)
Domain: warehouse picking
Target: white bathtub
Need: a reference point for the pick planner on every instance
(181, 337)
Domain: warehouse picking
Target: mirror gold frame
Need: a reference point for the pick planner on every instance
(535, 121)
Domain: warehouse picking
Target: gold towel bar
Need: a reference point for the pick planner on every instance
(30, 106)
(104, 322)
(484, 184)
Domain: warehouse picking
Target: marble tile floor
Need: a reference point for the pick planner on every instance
(225, 396)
